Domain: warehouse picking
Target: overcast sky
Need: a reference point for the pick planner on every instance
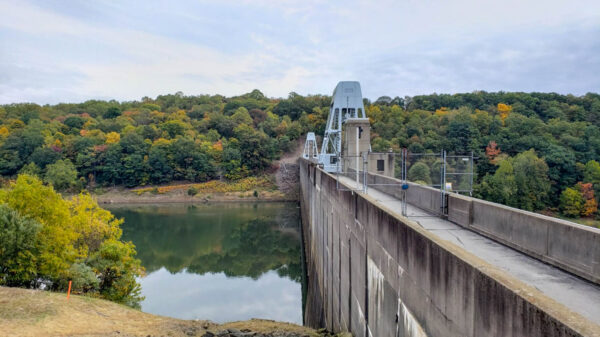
(70, 51)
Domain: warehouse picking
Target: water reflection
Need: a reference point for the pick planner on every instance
(221, 262)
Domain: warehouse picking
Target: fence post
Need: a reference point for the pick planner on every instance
(404, 180)
(443, 183)
(365, 168)
(472, 173)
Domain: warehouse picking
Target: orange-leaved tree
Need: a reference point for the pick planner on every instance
(590, 205)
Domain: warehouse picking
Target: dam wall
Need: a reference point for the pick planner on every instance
(564, 244)
(374, 273)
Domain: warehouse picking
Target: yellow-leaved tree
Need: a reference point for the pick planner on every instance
(30, 197)
(112, 137)
(92, 223)
(504, 110)
(64, 240)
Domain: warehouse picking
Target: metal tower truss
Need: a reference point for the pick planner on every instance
(346, 103)
(310, 147)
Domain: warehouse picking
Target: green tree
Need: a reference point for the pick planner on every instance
(160, 168)
(562, 170)
(462, 134)
(32, 169)
(531, 178)
(41, 203)
(74, 122)
(173, 127)
(591, 174)
(501, 186)
(255, 147)
(571, 202)
(241, 116)
(44, 237)
(62, 175)
(117, 268)
(19, 248)
(44, 156)
(112, 112)
(419, 172)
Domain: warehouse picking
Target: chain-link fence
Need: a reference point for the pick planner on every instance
(352, 171)
(459, 173)
(439, 171)
(425, 168)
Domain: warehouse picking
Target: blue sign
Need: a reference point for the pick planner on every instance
(404, 186)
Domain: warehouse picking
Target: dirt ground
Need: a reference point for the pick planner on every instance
(25, 312)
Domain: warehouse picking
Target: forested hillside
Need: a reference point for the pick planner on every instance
(535, 151)
(155, 141)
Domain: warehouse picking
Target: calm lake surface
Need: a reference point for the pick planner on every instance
(222, 262)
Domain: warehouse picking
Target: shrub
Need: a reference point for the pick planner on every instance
(192, 191)
(84, 279)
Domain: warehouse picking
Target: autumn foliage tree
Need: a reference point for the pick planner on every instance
(571, 202)
(504, 110)
(590, 205)
(492, 151)
(47, 239)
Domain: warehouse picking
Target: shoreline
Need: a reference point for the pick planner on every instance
(116, 199)
(49, 313)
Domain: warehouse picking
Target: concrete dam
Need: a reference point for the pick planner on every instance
(483, 269)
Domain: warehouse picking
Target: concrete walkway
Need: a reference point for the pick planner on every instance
(575, 293)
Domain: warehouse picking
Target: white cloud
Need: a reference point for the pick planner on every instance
(55, 51)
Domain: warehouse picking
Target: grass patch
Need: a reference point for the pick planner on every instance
(214, 186)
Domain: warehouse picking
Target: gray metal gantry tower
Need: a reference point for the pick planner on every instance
(347, 103)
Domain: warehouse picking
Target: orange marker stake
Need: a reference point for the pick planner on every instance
(69, 291)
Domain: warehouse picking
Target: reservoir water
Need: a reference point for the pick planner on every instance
(222, 262)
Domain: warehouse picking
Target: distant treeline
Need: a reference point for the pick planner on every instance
(154, 141)
(536, 150)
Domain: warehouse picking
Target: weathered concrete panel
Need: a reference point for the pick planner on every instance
(508, 225)
(572, 247)
(383, 303)
(345, 279)
(584, 255)
(460, 209)
(336, 272)
(357, 293)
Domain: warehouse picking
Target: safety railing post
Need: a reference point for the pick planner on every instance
(472, 173)
(365, 168)
(443, 183)
(404, 179)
